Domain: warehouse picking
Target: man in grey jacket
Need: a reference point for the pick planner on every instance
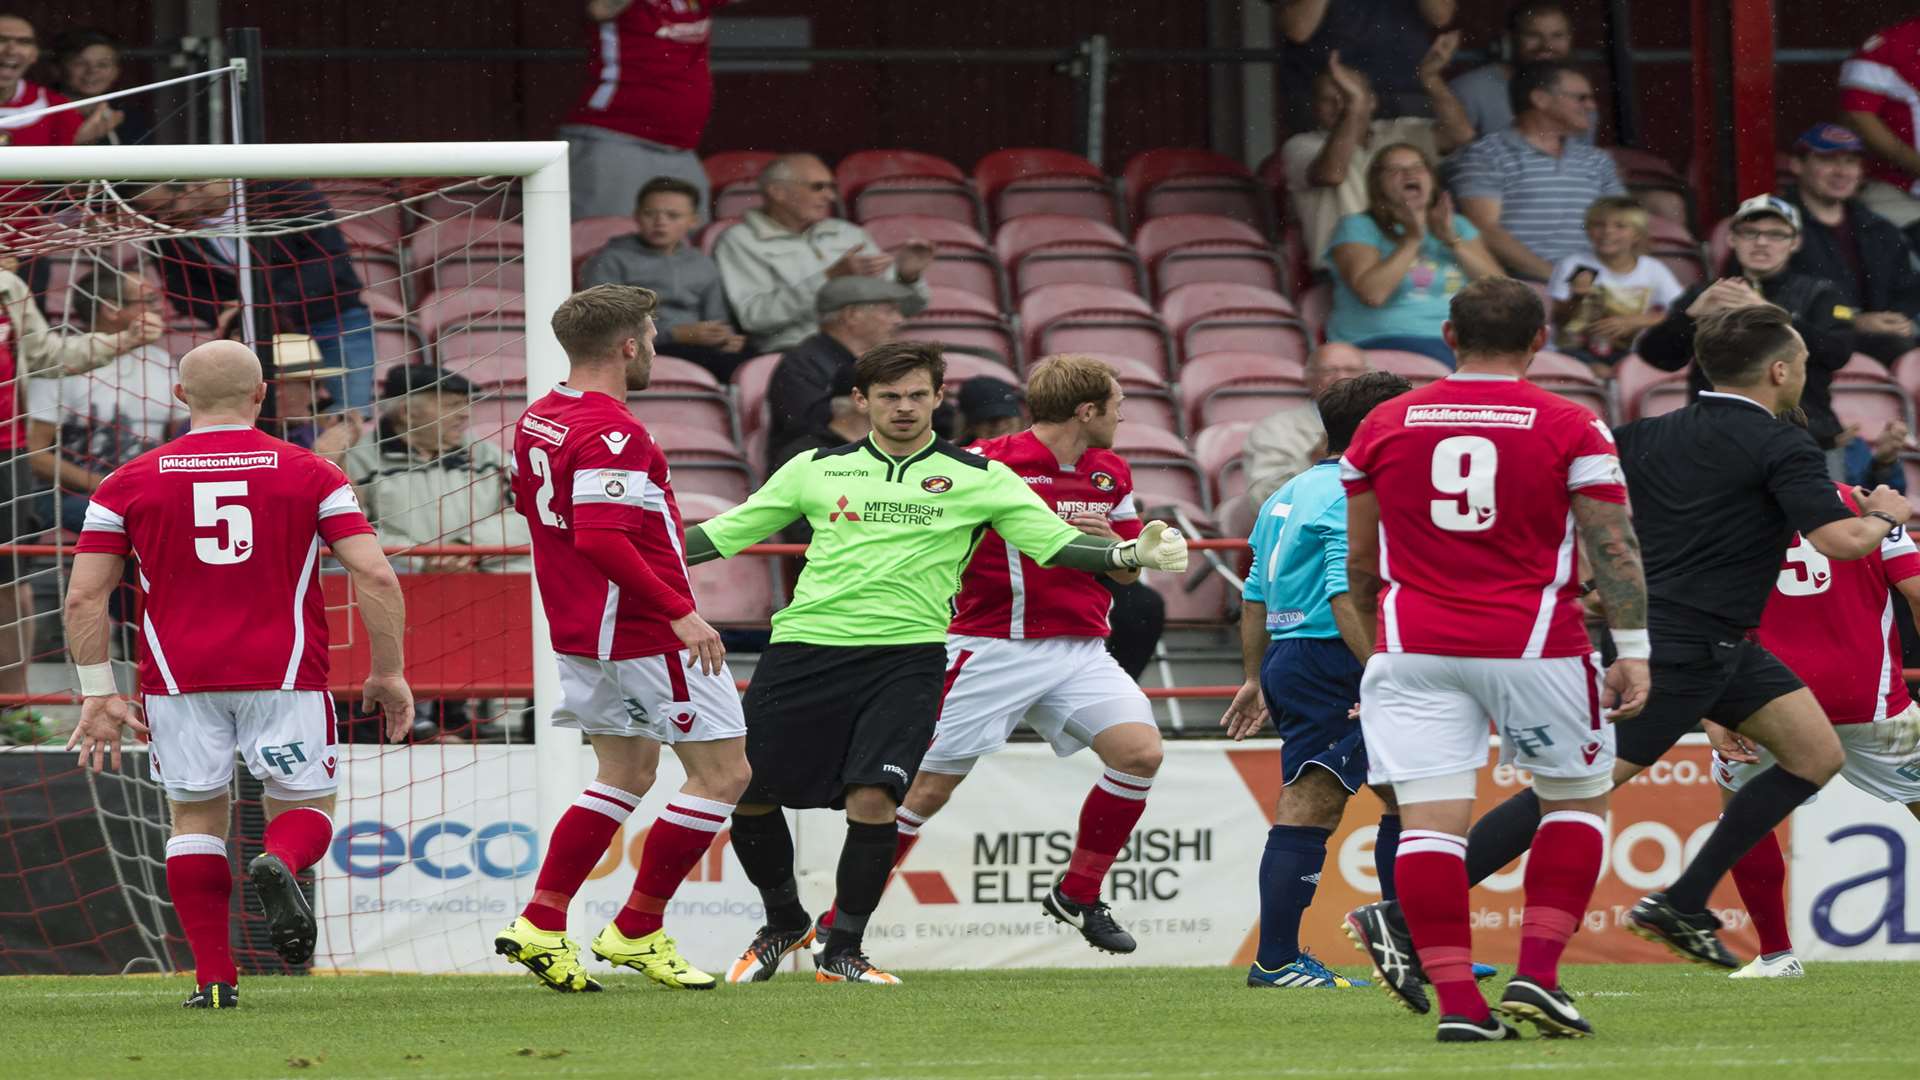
(692, 318)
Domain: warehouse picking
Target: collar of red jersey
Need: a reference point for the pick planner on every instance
(1482, 376)
(218, 427)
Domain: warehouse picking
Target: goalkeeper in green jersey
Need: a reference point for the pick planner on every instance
(843, 703)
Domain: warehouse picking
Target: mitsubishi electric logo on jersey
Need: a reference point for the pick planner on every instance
(256, 459)
(1494, 416)
(543, 429)
(843, 512)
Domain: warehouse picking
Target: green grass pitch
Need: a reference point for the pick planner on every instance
(1843, 1020)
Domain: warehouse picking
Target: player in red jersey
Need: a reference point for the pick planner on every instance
(1028, 643)
(638, 665)
(1468, 499)
(1832, 622)
(1880, 95)
(226, 524)
(21, 98)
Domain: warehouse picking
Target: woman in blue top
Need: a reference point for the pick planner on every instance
(1398, 263)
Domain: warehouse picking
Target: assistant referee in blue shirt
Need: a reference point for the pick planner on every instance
(1308, 678)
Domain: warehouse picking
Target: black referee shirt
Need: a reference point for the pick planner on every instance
(1718, 489)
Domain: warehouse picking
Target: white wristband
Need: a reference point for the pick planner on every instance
(96, 680)
(1632, 644)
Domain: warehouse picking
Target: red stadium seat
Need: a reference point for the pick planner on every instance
(1219, 450)
(750, 392)
(368, 211)
(1090, 318)
(378, 273)
(710, 233)
(1645, 390)
(1046, 249)
(1034, 181)
(1175, 180)
(372, 233)
(1221, 387)
(964, 322)
(1163, 467)
(510, 275)
(1906, 372)
(875, 183)
(1183, 248)
(704, 460)
(476, 306)
(682, 392)
(484, 358)
(1671, 243)
(966, 261)
(1561, 374)
(1316, 303)
(1418, 368)
(464, 252)
(591, 234)
(734, 179)
(1864, 393)
(451, 201)
(1212, 316)
(963, 366)
(491, 415)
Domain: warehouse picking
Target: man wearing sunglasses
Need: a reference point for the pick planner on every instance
(775, 261)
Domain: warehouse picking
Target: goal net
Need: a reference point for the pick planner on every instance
(400, 294)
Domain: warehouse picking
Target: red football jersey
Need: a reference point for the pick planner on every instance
(648, 76)
(582, 459)
(1474, 475)
(226, 523)
(18, 129)
(1883, 78)
(1004, 594)
(1832, 623)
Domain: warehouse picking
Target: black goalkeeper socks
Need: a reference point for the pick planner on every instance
(1760, 805)
(1502, 835)
(765, 849)
(866, 860)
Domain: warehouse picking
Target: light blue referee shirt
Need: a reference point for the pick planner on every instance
(1300, 554)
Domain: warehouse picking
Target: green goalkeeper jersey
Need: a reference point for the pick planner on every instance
(890, 537)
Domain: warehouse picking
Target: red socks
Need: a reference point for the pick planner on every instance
(201, 885)
(1430, 873)
(299, 837)
(1562, 867)
(1107, 818)
(578, 842)
(1761, 877)
(907, 825)
(674, 846)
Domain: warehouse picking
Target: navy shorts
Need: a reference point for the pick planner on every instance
(1310, 684)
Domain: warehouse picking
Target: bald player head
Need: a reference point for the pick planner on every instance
(220, 381)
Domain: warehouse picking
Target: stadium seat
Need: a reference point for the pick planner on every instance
(1214, 316)
(1219, 451)
(1910, 466)
(378, 273)
(1645, 390)
(1641, 166)
(1150, 400)
(1035, 181)
(372, 233)
(1236, 517)
(1719, 245)
(491, 415)
(1047, 249)
(1865, 394)
(1316, 303)
(1671, 243)
(1572, 379)
(682, 392)
(964, 322)
(1183, 248)
(704, 460)
(1418, 368)
(465, 252)
(750, 392)
(368, 211)
(591, 234)
(1090, 318)
(484, 358)
(1295, 258)
(740, 592)
(1163, 467)
(734, 179)
(875, 183)
(1220, 387)
(442, 312)
(475, 200)
(1176, 180)
(710, 233)
(1905, 370)
(963, 366)
(966, 261)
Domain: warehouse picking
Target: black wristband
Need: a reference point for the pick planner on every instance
(1886, 517)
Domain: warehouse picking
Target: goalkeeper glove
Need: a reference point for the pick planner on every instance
(1160, 547)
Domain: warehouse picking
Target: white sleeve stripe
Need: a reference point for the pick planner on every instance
(1349, 471)
(1898, 542)
(342, 501)
(1125, 510)
(1593, 470)
(622, 487)
(101, 519)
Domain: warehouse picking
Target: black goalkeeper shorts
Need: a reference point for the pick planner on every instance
(823, 718)
(1721, 680)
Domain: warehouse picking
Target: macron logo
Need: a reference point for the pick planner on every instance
(263, 459)
(543, 429)
(1494, 416)
(616, 440)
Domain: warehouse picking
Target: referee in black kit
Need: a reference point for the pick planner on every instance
(1718, 490)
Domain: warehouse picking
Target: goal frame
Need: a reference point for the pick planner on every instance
(541, 168)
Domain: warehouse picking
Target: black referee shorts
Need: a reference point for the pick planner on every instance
(823, 718)
(1695, 678)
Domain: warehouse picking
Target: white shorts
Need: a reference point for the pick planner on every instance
(652, 697)
(1425, 716)
(1883, 759)
(1067, 689)
(285, 737)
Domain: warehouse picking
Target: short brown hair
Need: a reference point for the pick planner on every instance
(896, 360)
(1060, 384)
(593, 322)
(667, 185)
(1496, 315)
(1347, 402)
(1733, 346)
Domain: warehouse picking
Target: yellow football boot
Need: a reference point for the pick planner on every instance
(655, 956)
(547, 953)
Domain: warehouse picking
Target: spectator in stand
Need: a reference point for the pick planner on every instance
(88, 63)
(1398, 264)
(1603, 297)
(692, 318)
(1860, 252)
(303, 414)
(20, 97)
(989, 408)
(648, 95)
(303, 280)
(777, 259)
(1880, 94)
(845, 424)
(1870, 464)
(856, 314)
(1765, 231)
(82, 427)
(1327, 167)
(1526, 188)
(1287, 443)
(1537, 31)
(1383, 39)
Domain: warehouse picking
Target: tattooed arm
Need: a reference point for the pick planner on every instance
(1608, 541)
